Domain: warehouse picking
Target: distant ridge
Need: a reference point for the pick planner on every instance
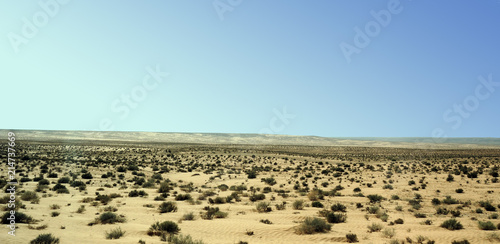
(259, 139)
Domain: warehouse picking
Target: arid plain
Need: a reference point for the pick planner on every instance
(80, 190)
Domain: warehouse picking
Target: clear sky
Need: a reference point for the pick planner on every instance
(327, 68)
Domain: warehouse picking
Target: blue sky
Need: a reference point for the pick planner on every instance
(253, 67)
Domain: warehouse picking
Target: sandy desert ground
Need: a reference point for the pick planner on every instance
(79, 191)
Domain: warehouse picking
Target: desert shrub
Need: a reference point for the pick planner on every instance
(45, 239)
(223, 187)
(357, 189)
(459, 190)
(270, 181)
(351, 238)
(159, 198)
(104, 199)
(373, 209)
(251, 174)
(374, 227)
(336, 217)
(63, 180)
(461, 242)
(188, 216)
(395, 197)
(181, 239)
(43, 182)
(164, 187)
(415, 204)
(267, 189)
(211, 213)
(486, 225)
(136, 193)
(167, 227)
(5, 199)
(109, 218)
(218, 200)
(19, 218)
(427, 222)
(455, 213)
(114, 195)
(317, 204)
(87, 176)
(60, 188)
(54, 206)
(388, 186)
(266, 221)
(420, 239)
(167, 207)
(81, 209)
(315, 195)
(493, 216)
(54, 214)
(420, 215)
(298, 205)
(442, 211)
(452, 224)
(183, 197)
(30, 196)
(257, 197)
(87, 200)
(383, 216)
(41, 227)
(263, 207)
(110, 209)
(77, 184)
(313, 225)
(450, 200)
(375, 198)
(399, 221)
(238, 188)
(220, 215)
(450, 178)
(281, 206)
(435, 201)
(389, 232)
(487, 206)
(25, 179)
(115, 233)
(338, 207)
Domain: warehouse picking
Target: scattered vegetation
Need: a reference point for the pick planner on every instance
(313, 225)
